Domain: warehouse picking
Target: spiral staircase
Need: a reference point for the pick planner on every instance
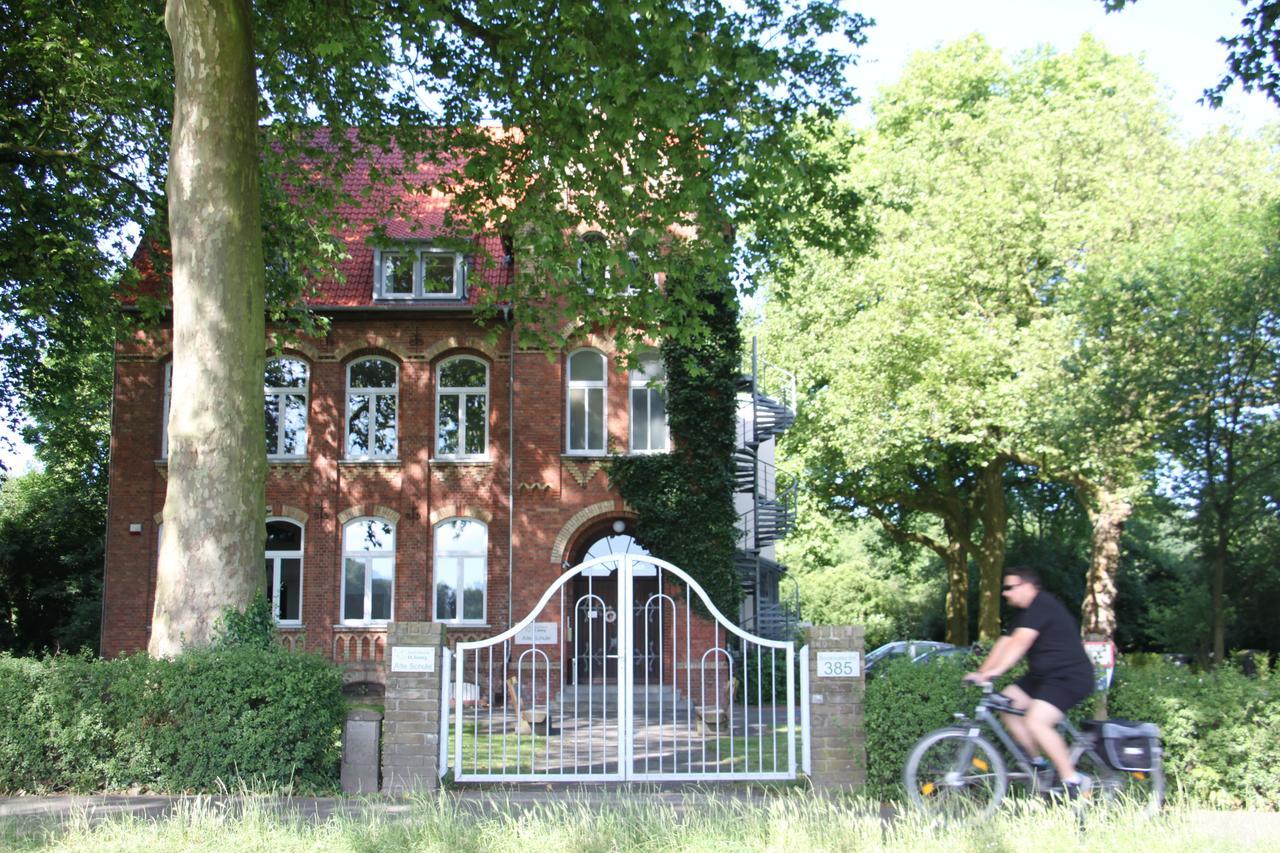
(766, 512)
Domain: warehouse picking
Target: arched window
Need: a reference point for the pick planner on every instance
(586, 402)
(368, 570)
(462, 409)
(285, 393)
(284, 570)
(164, 416)
(372, 392)
(461, 570)
(649, 404)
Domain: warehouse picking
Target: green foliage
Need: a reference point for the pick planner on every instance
(848, 574)
(903, 703)
(1219, 729)
(253, 627)
(205, 719)
(684, 498)
(51, 529)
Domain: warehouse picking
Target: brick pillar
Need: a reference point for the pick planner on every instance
(411, 722)
(836, 690)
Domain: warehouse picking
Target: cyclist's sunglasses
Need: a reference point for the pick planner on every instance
(1010, 586)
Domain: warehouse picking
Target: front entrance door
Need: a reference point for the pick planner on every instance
(595, 632)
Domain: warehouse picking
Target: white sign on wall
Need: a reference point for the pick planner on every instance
(537, 634)
(839, 664)
(413, 659)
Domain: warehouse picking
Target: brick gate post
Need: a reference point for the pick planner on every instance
(836, 690)
(411, 722)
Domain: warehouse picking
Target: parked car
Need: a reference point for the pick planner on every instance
(917, 650)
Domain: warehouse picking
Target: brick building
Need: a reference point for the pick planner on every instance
(420, 469)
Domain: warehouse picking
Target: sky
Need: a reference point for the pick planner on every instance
(1177, 40)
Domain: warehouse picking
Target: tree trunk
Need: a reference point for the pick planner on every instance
(1218, 562)
(1108, 511)
(212, 546)
(993, 511)
(956, 559)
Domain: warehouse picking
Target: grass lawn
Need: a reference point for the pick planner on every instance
(494, 752)
(787, 821)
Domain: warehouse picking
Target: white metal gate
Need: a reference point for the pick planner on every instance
(624, 670)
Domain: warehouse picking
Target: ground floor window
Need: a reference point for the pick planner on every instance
(284, 571)
(461, 559)
(368, 570)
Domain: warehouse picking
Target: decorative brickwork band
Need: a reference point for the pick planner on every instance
(573, 525)
(438, 515)
(375, 510)
(453, 343)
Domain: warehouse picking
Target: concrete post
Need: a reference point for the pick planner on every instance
(411, 725)
(836, 691)
(360, 752)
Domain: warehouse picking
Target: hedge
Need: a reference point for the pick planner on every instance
(1219, 729)
(207, 719)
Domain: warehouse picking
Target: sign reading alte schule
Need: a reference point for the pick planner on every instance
(839, 664)
(413, 659)
(537, 634)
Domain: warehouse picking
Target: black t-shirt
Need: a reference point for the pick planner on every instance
(1057, 651)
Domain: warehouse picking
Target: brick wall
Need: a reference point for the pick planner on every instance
(550, 489)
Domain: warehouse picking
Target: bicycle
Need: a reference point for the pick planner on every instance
(956, 771)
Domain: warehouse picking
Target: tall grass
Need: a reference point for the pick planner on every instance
(787, 821)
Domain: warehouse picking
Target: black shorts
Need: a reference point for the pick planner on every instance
(1062, 692)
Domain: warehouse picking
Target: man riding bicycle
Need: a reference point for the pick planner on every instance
(1059, 675)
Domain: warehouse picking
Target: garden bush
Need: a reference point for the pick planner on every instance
(1219, 729)
(905, 701)
(210, 717)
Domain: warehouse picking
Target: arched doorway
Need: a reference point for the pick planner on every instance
(593, 617)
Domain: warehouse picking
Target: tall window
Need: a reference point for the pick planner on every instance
(285, 391)
(372, 391)
(462, 409)
(461, 556)
(419, 273)
(586, 402)
(164, 416)
(284, 570)
(648, 405)
(368, 570)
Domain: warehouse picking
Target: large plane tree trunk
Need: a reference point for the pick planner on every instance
(993, 512)
(1108, 511)
(211, 549)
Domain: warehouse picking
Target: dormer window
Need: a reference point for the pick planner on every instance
(419, 272)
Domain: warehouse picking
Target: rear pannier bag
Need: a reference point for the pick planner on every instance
(1126, 745)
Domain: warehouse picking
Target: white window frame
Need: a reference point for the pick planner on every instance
(280, 394)
(637, 382)
(164, 416)
(367, 557)
(275, 557)
(463, 393)
(418, 253)
(372, 393)
(586, 385)
(439, 564)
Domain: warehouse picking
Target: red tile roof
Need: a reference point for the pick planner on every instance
(374, 206)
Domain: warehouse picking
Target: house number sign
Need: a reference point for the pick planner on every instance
(413, 659)
(839, 664)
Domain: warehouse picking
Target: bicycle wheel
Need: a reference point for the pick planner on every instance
(1142, 791)
(955, 775)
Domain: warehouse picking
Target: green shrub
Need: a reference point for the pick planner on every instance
(1220, 729)
(253, 626)
(905, 701)
(208, 718)
(22, 754)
